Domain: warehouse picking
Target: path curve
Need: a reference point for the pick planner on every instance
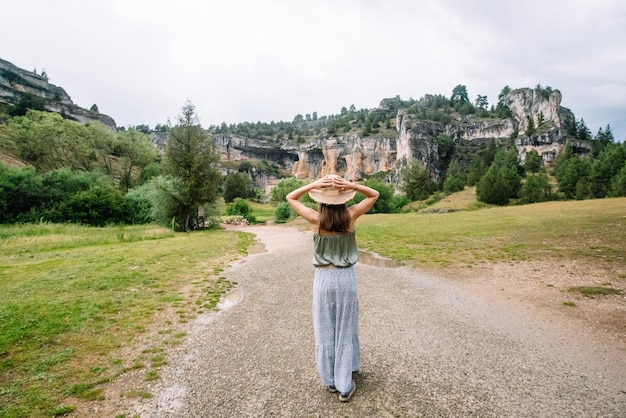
(430, 348)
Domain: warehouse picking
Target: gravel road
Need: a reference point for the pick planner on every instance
(430, 348)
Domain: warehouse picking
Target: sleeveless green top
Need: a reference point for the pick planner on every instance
(339, 250)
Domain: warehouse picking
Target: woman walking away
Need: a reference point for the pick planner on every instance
(335, 299)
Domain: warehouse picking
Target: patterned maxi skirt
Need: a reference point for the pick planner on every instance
(335, 324)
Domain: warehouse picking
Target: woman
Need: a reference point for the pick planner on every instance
(335, 302)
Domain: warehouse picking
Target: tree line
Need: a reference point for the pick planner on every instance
(90, 174)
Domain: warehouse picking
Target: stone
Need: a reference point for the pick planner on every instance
(14, 82)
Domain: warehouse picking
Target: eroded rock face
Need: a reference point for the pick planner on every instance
(14, 82)
(542, 123)
(417, 141)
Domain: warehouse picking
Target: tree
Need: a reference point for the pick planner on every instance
(605, 168)
(416, 182)
(383, 204)
(459, 95)
(536, 188)
(533, 161)
(237, 185)
(455, 179)
(618, 183)
(94, 108)
(191, 161)
(502, 180)
(502, 110)
(284, 187)
(136, 152)
(582, 132)
(27, 102)
(481, 102)
(573, 177)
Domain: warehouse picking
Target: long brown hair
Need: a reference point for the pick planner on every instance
(334, 218)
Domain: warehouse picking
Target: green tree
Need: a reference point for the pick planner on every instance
(573, 177)
(502, 180)
(532, 162)
(284, 187)
(502, 110)
(284, 212)
(97, 206)
(136, 152)
(481, 102)
(455, 179)
(605, 168)
(459, 95)
(416, 182)
(383, 204)
(237, 185)
(536, 188)
(27, 102)
(618, 183)
(582, 132)
(191, 161)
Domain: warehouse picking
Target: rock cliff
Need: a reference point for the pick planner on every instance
(538, 123)
(15, 82)
(543, 123)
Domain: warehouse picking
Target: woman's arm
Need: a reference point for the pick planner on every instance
(307, 213)
(371, 196)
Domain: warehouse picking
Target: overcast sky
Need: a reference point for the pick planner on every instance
(269, 60)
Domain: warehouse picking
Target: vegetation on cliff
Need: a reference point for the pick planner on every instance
(90, 174)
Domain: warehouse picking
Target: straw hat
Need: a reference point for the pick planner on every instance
(331, 195)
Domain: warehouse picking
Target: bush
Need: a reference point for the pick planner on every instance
(237, 185)
(240, 207)
(97, 206)
(383, 204)
(284, 212)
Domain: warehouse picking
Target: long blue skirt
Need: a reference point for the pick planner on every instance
(335, 324)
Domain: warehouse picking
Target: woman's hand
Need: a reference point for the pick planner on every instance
(325, 182)
(343, 184)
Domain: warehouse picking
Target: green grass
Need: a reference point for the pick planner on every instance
(263, 211)
(591, 291)
(592, 231)
(73, 296)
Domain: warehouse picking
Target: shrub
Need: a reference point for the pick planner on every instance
(241, 207)
(284, 212)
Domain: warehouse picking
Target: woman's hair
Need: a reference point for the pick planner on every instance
(335, 218)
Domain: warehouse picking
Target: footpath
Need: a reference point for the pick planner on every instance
(429, 349)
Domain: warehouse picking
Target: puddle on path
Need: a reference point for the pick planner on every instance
(257, 247)
(231, 298)
(375, 260)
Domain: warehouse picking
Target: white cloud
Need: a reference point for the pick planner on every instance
(246, 60)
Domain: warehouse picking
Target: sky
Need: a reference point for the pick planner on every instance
(140, 61)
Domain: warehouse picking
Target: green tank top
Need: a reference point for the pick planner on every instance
(339, 250)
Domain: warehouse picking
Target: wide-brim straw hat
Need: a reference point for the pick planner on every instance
(331, 195)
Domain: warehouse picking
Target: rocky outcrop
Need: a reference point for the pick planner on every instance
(543, 123)
(15, 82)
(417, 141)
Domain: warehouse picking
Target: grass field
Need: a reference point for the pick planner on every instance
(74, 297)
(593, 231)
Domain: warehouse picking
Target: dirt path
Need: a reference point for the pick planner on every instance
(430, 348)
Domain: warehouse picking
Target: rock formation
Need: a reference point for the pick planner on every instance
(416, 141)
(15, 82)
(542, 123)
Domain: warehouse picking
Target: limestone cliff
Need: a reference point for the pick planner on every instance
(14, 82)
(543, 123)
